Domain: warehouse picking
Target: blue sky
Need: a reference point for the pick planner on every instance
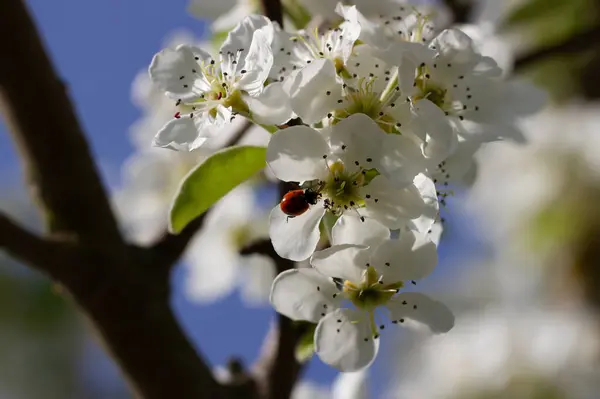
(98, 48)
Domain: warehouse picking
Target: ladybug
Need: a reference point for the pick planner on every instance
(296, 202)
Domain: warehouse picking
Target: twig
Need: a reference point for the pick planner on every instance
(577, 43)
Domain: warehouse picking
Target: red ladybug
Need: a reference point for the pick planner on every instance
(296, 202)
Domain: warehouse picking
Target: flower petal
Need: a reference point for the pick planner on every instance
(295, 238)
(401, 159)
(343, 339)
(421, 308)
(258, 62)
(182, 134)
(308, 90)
(177, 72)
(271, 107)
(304, 294)
(236, 46)
(411, 257)
(358, 139)
(212, 265)
(256, 278)
(424, 223)
(442, 139)
(296, 154)
(349, 229)
(344, 261)
(389, 205)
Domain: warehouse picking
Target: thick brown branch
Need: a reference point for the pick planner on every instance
(44, 255)
(577, 43)
(117, 289)
(44, 125)
(129, 306)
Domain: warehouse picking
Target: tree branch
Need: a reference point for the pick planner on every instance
(273, 10)
(461, 10)
(49, 137)
(577, 43)
(115, 286)
(44, 255)
(277, 369)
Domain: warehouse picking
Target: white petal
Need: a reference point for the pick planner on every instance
(424, 223)
(340, 340)
(257, 274)
(212, 265)
(454, 45)
(401, 160)
(177, 72)
(271, 107)
(411, 257)
(421, 308)
(358, 139)
(442, 139)
(258, 62)
(301, 294)
(350, 386)
(296, 154)
(344, 261)
(349, 229)
(239, 41)
(308, 90)
(295, 238)
(350, 29)
(181, 134)
(389, 205)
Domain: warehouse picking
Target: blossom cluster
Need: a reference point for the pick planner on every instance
(376, 116)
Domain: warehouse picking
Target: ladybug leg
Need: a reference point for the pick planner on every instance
(288, 218)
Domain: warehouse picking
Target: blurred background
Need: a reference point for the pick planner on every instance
(519, 258)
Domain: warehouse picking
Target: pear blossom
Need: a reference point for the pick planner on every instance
(211, 92)
(353, 291)
(300, 49)
(214, 265)
(359, 170)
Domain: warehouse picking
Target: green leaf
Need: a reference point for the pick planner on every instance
(306, 344)
(211, 180)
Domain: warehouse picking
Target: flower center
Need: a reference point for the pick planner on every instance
(370, 293)
(365, 101)
(341, 189)
(433, 93)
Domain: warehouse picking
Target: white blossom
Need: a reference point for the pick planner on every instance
(214, 265)
(352, 292)
(348, 174)
(211, 92)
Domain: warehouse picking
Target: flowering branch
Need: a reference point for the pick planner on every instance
(114, 284)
